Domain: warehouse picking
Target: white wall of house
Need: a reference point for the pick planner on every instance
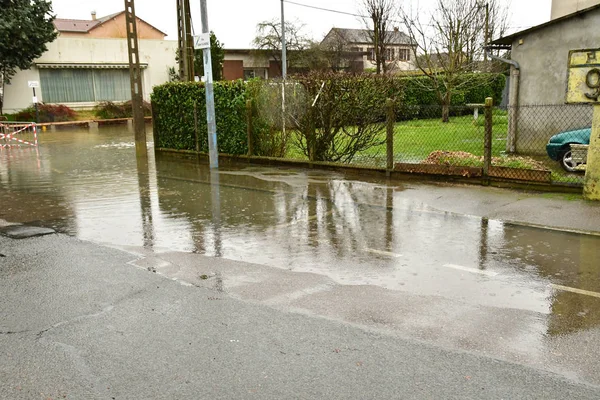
(158, 55)
(399, 53)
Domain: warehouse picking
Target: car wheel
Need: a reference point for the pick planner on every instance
(566, 161)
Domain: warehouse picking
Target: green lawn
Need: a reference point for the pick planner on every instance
(415, 140)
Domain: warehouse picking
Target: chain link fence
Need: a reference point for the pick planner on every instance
(555, 137)
(358, 122)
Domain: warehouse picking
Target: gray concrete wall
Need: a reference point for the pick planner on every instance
(543, 56)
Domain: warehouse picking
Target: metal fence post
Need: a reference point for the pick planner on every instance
(196, 127)
(487, 146)
(154, 130)
(249, 127)
(390, 121)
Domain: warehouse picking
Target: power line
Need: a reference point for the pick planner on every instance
(325, 9)
(365, 16)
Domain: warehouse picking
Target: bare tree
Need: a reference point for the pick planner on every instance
(268, 40)
(378, 16)
(497, 28)
(449, 45)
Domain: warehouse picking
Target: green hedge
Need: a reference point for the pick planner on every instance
(173, 113)
(419, 90)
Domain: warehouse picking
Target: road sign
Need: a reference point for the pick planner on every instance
(33, 84)
(202, 41)
(584, 76)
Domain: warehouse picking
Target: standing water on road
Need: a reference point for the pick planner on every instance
(87, 183)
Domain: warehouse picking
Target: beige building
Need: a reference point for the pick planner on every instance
(560, 8)
(400, 51)
(88, 63)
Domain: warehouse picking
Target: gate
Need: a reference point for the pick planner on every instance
(18, 134)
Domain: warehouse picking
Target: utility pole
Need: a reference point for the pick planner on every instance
(185, 45)
(189, 42)
(135, 78)
(210, 94)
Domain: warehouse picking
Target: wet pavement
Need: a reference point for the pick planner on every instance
(440, 264)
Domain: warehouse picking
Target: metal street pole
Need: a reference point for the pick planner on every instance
(283, 68)
(210, 94)
(283, 45)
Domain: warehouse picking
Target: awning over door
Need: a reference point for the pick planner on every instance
(87, 65)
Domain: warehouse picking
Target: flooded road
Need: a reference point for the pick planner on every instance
(361, 252)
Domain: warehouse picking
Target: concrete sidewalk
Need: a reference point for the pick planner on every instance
(566, 212)
(78, 321)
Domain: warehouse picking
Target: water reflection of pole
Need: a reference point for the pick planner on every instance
(145, 202)
(215, 195)
(483, 243)
(389, 220)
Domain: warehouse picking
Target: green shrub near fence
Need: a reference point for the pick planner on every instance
(111, 110)
(47, 113)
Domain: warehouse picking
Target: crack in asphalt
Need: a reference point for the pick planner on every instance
(105, 310)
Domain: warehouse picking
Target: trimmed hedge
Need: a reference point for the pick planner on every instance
(173, 106)
(418, 90)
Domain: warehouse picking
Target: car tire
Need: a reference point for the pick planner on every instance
(566, 160)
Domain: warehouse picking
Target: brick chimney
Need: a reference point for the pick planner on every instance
(93, 15)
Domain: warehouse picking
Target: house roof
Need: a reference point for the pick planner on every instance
(85, 25)
(74, 25)
(364, 36)
(508, 40)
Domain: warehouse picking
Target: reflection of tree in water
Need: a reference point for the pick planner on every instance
(25, 180)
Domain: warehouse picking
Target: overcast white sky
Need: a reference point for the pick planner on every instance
(234, 21)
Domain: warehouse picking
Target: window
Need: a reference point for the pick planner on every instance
(82, 85)
(370, 53)
(404, 54)
(389, 54)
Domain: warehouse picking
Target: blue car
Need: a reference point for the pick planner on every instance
(559, 146)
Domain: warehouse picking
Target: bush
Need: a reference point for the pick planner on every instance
(110, 110)
(347, 117)
(47, 113)
(174, 116)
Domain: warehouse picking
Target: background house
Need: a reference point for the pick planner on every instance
(247, 64)
(542, 53)
(88, 63)
(399, 55)
(111, 26)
